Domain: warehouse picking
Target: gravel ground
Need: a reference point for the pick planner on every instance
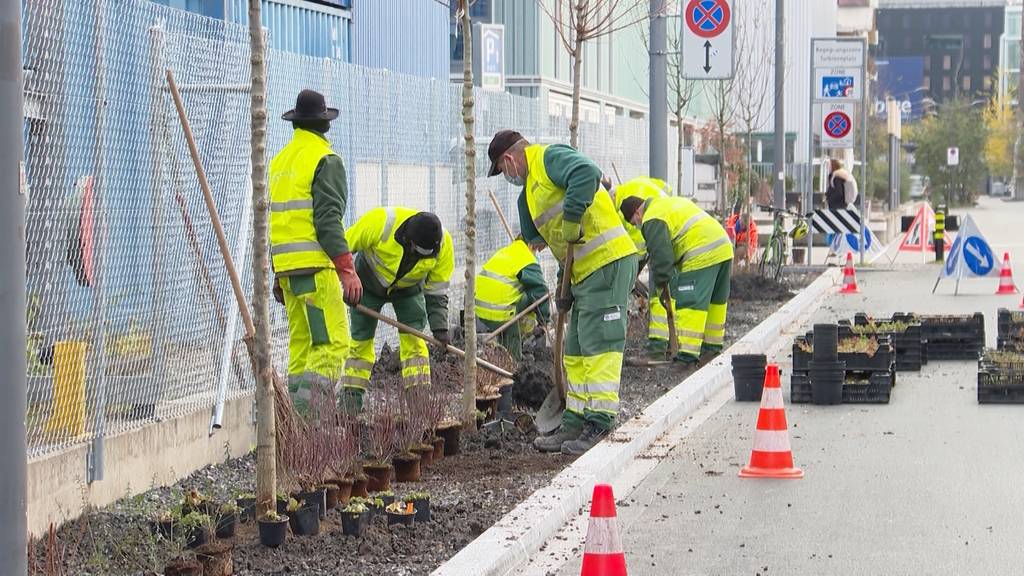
(469, 492)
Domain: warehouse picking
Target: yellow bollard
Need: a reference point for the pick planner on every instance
(67, 410)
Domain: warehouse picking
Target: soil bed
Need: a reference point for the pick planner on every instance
(494, 472)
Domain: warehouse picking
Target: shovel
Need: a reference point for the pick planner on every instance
(549, 417)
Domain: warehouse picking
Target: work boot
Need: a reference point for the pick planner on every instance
(591, 435)
(553, 443)
(687, 359)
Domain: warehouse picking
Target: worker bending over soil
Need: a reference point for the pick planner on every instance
(558, 207)
(403, 257)
(509, 282)
(692, 255)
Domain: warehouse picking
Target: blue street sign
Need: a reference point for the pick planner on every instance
(837, 86)
(978, 256)
(953, 258)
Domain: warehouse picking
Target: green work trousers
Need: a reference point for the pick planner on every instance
(594, 344)
(701, 298)
(415, 359)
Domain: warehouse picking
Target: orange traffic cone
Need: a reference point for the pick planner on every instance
(772, 456)
(849, 277)
(1006, 285)
(602, 555)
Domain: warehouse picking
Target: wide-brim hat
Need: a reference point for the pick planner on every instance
(310, 105)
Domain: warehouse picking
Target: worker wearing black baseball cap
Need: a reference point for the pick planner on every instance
(559, 207)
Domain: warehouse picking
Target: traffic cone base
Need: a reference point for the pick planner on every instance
(772, 456)
(602, 553)
(1006, 285)
(849, 277)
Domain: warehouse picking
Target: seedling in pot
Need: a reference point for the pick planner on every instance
(403, 513)
(196, 528)
(421, 502)
(304, 519)
(227, 519)
(246, 502)
(353, 518)
(273, 529)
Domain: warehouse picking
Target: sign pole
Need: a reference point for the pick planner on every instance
(865, 89)
(809, 207)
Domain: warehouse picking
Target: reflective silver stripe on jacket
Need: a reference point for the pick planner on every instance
(358, 364)
(600, 240)
(436, 288)
(504, 280)
(496, 307)
(293, 247)
(376, 265)
(291, 205)
(690, 224)
(388, 224)
(548, 215)
(705, 248)
(415, 361)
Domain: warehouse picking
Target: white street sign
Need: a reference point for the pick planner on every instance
(952, 156)
(837, 125)
(837, 84)
(838, 53)
(707, 30)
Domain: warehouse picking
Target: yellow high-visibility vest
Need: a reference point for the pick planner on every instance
(293, 241)
(498, 289)
(644, 188)
(604, 239)
(373, 236)
(698, 240)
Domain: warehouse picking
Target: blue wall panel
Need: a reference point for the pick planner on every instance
(303, 28)
(407, 36)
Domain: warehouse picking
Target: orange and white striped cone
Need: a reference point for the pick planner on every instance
(772, 456)
(1006, 285)
(849, 277)
(603, 555)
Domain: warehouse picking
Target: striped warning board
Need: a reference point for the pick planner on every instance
(846, 221)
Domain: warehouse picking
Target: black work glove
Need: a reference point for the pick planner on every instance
(539, 330)
(443, 337)
(278, 293)
(564, 303)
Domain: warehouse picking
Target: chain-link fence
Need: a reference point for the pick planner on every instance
(131, 315)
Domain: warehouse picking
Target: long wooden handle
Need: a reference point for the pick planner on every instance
(494, 334)
(204, 184)
(424, 336)
(563, 292)
(501, 215)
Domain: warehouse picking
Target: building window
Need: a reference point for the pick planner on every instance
(988, 19)
(906, 20)
(928, 63)
(987, 83)
(945, 84)
(986, 62)
(967, 83)
(926, 82)
(947, 62)
(988, 41)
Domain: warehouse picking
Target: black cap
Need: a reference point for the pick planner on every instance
(630, 205)
(500, 144)
(425, 231)
(310, 105)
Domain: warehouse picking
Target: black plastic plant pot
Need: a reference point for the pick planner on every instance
(451, 433)
(827, 381)
(282, 506)
(316, 498)
(748, 376)
(826, 343)
(401, 518)
(197, 537)
(749, 361)
(226, 524)
(305, 521)
(272, 534)
(164, 528)
(353, 524)
(422, 508)
(387, 498)
(246, 509)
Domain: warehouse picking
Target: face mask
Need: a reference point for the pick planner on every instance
(513, 180)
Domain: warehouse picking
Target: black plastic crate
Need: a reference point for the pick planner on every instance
(954, 350)
(874, 389)
(881, 361)
(1000, 386)
(1010, 330)
(944, 328)
(907, 343)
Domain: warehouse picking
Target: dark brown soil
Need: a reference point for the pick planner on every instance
(469, 492)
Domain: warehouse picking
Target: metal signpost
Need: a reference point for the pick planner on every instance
(838, 84)
(489, 66)
(708, 39)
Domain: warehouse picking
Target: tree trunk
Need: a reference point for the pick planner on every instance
(1018, 149)
(577, 78)
(266, 465)
(469, 316)
(724, 176)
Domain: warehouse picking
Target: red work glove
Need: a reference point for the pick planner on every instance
(350, 284)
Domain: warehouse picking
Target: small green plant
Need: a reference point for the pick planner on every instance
(245, 496)
(168, 515)
(355, 507)
(271, 516)
(294, 505)
(377, 502)
(360, 500)
(417, 496)
(384, 494)
(229, 507)
(397, 507)
(194, 521)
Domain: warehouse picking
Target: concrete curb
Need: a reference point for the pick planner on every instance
(518, 535)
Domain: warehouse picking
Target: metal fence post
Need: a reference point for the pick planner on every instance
(13, 447)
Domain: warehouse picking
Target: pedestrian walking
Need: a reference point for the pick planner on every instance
(559, 206)
(691, 254)
(404, 257)
(842, 188)
(313, 269)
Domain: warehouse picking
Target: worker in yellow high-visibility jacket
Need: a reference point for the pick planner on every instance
(558, 206)
(309, 254)
(510, 281)
(404, 257)
(645, 187)
(690, 253)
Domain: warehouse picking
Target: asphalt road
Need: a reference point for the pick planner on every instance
(932, 483)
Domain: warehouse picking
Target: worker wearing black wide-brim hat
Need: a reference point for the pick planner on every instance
(558, 206)
(313, 267)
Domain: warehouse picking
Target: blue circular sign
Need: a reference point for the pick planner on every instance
(953, 258)
(838, 124)
(707, 18)
(978, 256)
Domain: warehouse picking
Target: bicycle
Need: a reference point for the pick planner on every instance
(774, 256)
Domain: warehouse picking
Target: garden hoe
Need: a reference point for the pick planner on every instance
(549, 417)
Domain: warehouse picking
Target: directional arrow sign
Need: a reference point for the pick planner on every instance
(708, 35)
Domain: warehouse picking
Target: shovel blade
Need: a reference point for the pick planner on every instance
(549, 417)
